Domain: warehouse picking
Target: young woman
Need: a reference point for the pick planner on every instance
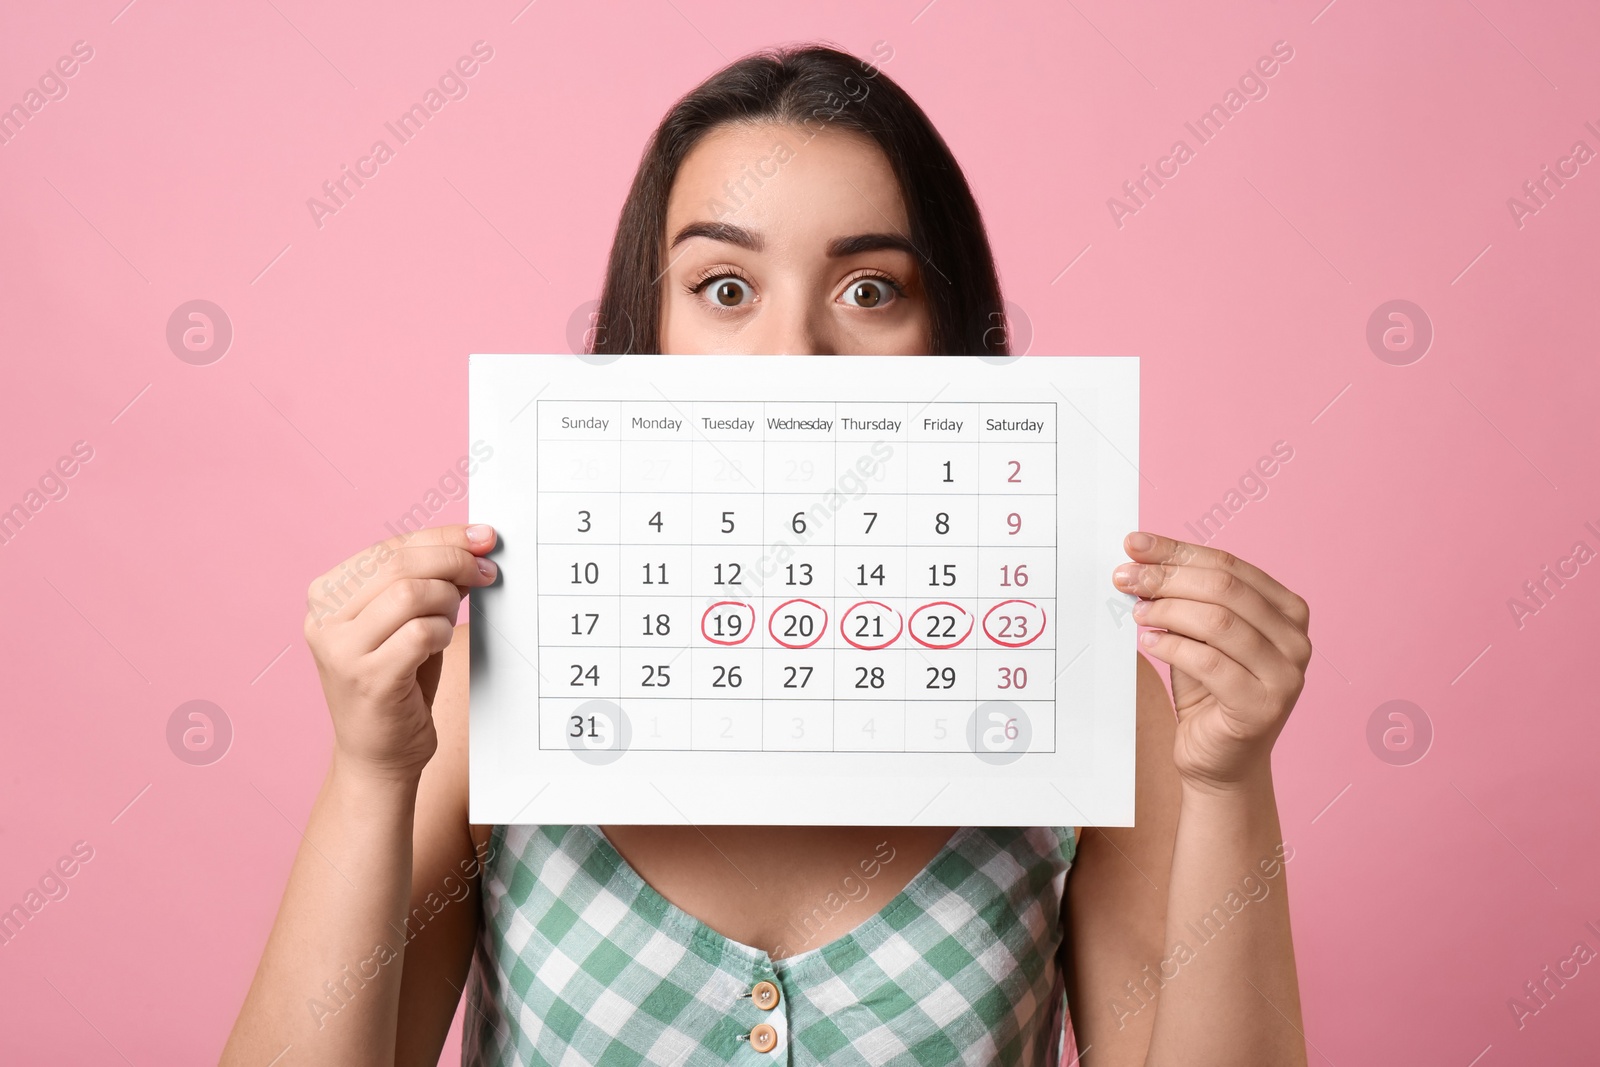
(796, 202)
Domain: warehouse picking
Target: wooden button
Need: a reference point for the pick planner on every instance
(765, 994)
(763, 1038)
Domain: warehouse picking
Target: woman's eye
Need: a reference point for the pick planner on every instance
(869, 293)
(730, 292)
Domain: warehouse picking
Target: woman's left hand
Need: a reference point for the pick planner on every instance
(1236, 642)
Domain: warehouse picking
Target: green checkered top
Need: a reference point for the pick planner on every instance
(580, 961)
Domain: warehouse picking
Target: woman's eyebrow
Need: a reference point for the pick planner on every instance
(720, 231)
(838, 248)
(855, 244)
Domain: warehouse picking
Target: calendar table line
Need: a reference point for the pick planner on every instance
(791, 701)
(882, 656)
(806, 724)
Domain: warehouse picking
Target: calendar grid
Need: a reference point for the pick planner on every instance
(905, 504)
(607, 663)
(762, 721)
(833, 602)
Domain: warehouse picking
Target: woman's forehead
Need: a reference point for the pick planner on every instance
(789, 185)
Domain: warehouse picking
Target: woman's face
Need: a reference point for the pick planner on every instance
(780, 240)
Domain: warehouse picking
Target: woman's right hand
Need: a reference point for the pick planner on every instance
(377, 624)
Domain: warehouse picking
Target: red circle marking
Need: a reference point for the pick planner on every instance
(723, 604)
(1013, 644)
(940, 604)
(797, 600)
(871, 648)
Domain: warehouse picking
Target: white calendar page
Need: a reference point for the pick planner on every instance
(804, 590)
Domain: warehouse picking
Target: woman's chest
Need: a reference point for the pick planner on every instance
(886, 946)
(783, 889)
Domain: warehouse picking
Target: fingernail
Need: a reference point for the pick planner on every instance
(1127, 574)
(487, 568)
(1141, 542)
(1141, 608)
(479, 533)
(1149, 638)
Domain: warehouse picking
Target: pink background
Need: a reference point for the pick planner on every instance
(1419, 498)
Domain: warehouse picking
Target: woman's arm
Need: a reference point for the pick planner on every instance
(327, 989)
(1116, 900)
(1220, 986)
(329, 985)
(1234, 997)
(446, 871)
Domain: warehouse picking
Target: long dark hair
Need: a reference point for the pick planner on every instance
(805, 86)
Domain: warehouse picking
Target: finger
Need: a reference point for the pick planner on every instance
(409, 647)
(449, 563)
(1223, 629)
(401, 601)
(1144, 547)
(334, 587)
(478, 537)
(1215, 586)
(1230, 683)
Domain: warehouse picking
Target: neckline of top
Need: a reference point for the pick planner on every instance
(758, 958)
